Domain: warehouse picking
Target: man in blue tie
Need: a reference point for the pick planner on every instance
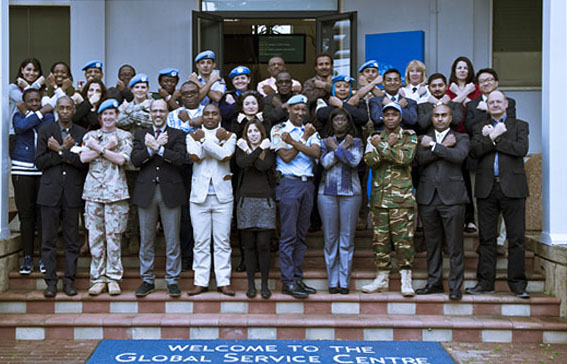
(500, 145)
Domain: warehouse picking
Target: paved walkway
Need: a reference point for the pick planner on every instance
(75, 352)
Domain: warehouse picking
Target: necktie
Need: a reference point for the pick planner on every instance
(393, 99)
(158, 131)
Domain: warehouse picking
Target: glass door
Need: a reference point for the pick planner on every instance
(336, 35)
(208, 33)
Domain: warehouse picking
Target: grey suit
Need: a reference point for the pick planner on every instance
(441, 196)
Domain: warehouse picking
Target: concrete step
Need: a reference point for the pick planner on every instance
(391, 303)
(92, 326)
(314, 277)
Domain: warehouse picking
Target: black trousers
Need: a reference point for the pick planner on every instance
(514, 213)
(444, 222)
(26, 189)
(50, 219)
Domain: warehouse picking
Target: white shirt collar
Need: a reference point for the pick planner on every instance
(439, 136)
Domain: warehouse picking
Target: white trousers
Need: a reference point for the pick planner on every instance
(211, 218)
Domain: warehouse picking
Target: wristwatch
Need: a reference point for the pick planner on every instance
(60, 153)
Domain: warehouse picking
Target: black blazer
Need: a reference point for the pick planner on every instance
(512, 147)
(166, 169)
(440, 170)
(60, 174)
(475, 116)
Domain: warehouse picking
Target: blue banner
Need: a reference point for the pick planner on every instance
(269, 351)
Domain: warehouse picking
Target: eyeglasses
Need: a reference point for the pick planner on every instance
(486, 80)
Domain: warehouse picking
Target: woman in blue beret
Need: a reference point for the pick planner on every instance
(240, 78)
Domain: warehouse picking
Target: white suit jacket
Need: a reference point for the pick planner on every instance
(211, 159)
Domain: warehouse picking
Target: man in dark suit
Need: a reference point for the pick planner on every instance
(437, 84)
(441, 196)
(61, 187)
(500, 144)
(476, 112)
(392, 84)
(159, 152)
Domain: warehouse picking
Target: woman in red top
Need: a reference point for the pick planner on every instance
(462, 88)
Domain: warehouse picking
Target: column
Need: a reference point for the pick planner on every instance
(4, 116)
(554, 127)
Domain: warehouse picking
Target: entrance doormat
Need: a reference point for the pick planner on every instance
(269, 351)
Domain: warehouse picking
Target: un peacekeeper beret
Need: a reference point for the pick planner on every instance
(205, 55)
(93, 64)
(368, 64)
(392, 105)
(171, 72)
(342, 78)
(297, 99)
(140, 77)
(108, 104)
(237, 71)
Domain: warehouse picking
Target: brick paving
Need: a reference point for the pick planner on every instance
(75, 352)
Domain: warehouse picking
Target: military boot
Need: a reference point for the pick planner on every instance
(407, 289)
(379, 284)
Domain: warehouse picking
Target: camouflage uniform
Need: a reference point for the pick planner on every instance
(392, 202)
(106, 208)
(133, 118)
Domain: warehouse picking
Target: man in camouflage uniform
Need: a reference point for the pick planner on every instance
(106, 197)
(390, 154)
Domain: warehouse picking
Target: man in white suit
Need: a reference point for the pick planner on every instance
(211, 200)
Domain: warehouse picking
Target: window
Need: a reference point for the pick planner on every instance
(516, 47)
(269, 5)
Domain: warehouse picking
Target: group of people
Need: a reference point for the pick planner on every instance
(281, 159)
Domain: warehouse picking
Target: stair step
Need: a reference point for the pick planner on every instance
(283, 326)
(393, 303)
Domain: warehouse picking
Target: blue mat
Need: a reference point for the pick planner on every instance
(269, 351)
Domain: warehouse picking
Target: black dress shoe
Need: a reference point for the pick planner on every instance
(266, 293)
(455, 295)
(294, 291)
(344, 291)
(429, 289)
(251, 293)
(173, 290)
(306, 288)
(333, 290)
(69, 290)
(145, 289)
(478, 289)
(522, 294)
(50, 291)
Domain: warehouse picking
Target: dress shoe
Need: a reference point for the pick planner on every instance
(226, 290)
(470, 228)
(50, 291)
(241, 267)
(478, 289)
(97, 289)
(344, 290)
(251, 293)
(333, 290)
(197, 290)
(455, 295)
(521, 294)
(266, 293)
(145, 289)
(294, 291)
(69, 290)
(173, 290)
(114, 289)
(186, 264)
(306, 288)
(429, 289)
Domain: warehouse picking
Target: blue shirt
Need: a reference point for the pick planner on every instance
(173, 120)
(340, 174)
(301, 165)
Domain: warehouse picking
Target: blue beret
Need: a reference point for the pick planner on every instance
(368, 64)
(140, 77)
(93, 64)
(171, 72)
(392, 105)
(342, 78)
(205, 55)
(297, 99)
(237, 71)
(108, 104)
